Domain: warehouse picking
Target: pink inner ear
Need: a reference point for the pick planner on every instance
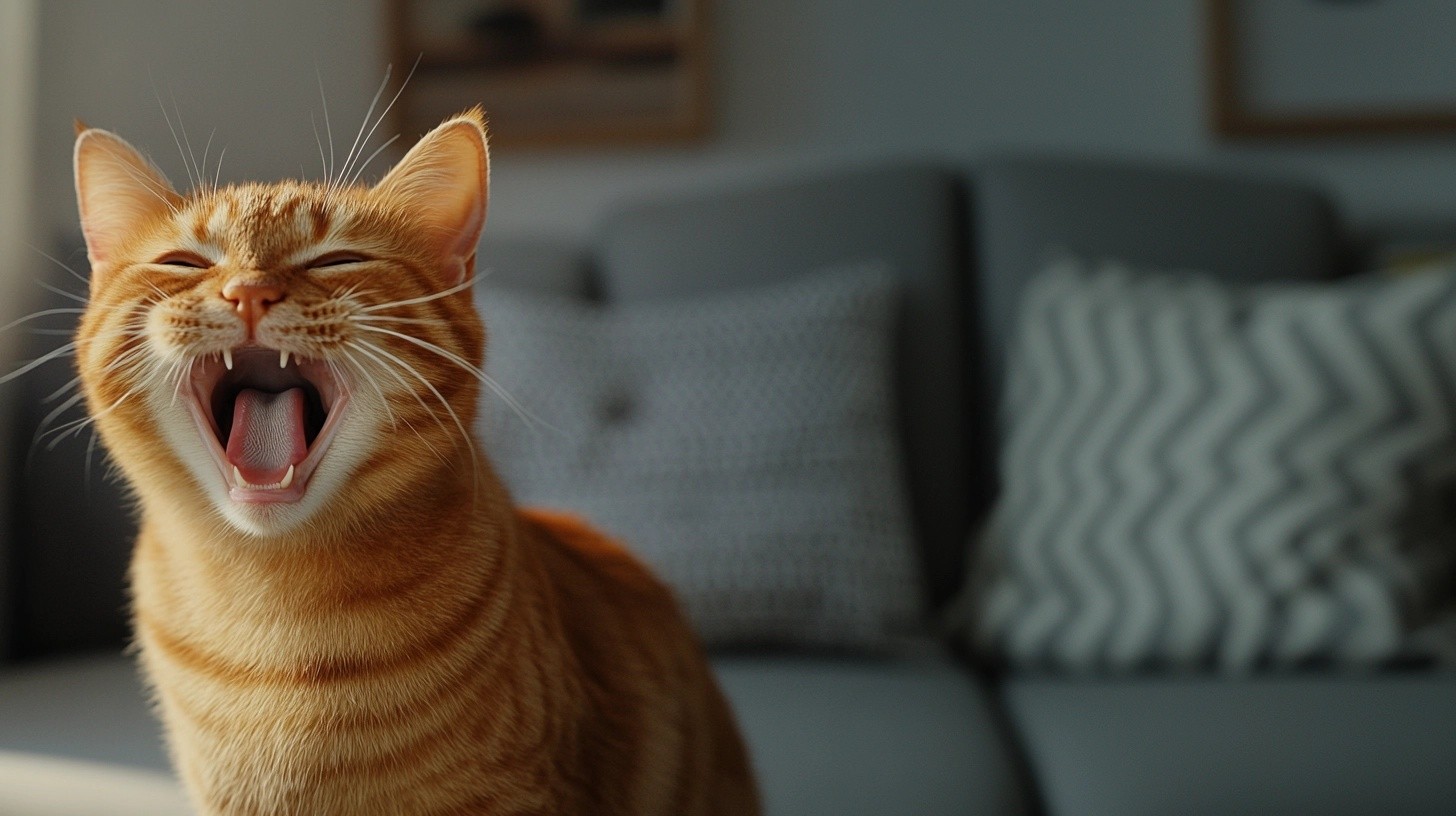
(469, 235)
(117, 190)
(443, 181)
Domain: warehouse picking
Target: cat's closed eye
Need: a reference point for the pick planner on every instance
(339, 258)
(186, 260)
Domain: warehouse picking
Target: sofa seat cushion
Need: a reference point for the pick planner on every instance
(1294, 744)
(831, 737)
(869, 738)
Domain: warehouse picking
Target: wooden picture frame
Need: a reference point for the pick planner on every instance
(556, 73)
(1254, 94)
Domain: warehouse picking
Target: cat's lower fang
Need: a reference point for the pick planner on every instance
(284, 484)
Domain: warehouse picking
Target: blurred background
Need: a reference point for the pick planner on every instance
(681, 96)
(696, 94)
(801, 83)
(1307, 125)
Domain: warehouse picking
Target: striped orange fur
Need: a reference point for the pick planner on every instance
(376, 629)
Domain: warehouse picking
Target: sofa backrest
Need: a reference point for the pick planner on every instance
(908, 217)
(1027, 209)
(965, 247)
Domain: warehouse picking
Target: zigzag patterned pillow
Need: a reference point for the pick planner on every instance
(742, 443)
(1199, 475)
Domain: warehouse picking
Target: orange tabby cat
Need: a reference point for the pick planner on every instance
(338, 606)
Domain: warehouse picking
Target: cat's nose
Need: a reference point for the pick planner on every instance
(252, 299)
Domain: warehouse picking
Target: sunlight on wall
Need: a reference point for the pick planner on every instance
(17, 99)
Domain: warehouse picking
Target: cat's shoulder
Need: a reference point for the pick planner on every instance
(582, 542)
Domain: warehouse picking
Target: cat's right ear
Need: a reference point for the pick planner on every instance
(444, 182)
(117, 190)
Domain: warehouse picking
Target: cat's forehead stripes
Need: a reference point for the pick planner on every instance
(212, 219)
(266, 226)
(209, 249)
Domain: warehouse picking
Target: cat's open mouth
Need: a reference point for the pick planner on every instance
(267, 419)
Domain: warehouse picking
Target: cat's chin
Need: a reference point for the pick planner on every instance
(267, 520)
(267, 421)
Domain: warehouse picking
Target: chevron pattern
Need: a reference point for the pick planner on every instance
(1203, 476)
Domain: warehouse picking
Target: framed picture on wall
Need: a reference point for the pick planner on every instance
(1331, 67)
(556, 72)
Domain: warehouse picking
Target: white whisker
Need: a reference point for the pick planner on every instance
(170, 127)
(365, 166)
(182, 127)
(62, 292)
(365, 348)
(217, 174)
(176, 372)
(42, 313)
(328, 128)
(365, 375)
(156, 290)
(75, 426)
(77, 275)
(404, 384)
(464, 434)
(459, 287)
(54, 395)
(353, 291)
(206, 150)
(323, 161)
(130, 359)
(349, 157)
(387, 109)
(422, 321)
(51, 417)
(53, 354)
(151, 186)
(526, 416)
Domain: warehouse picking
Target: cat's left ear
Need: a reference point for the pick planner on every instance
(444, 180)
(117, 190)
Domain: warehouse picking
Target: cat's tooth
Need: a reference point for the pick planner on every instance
(241, 482)
(227, 360)
(283, 359)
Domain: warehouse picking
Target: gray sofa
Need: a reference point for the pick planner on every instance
(845, 734)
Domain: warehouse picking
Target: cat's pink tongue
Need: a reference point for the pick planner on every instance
(267, 435)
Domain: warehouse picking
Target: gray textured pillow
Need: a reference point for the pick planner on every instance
(1199, 475)
(742, 444)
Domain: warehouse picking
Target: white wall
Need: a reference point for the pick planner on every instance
(244, 68)
(800, 83)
